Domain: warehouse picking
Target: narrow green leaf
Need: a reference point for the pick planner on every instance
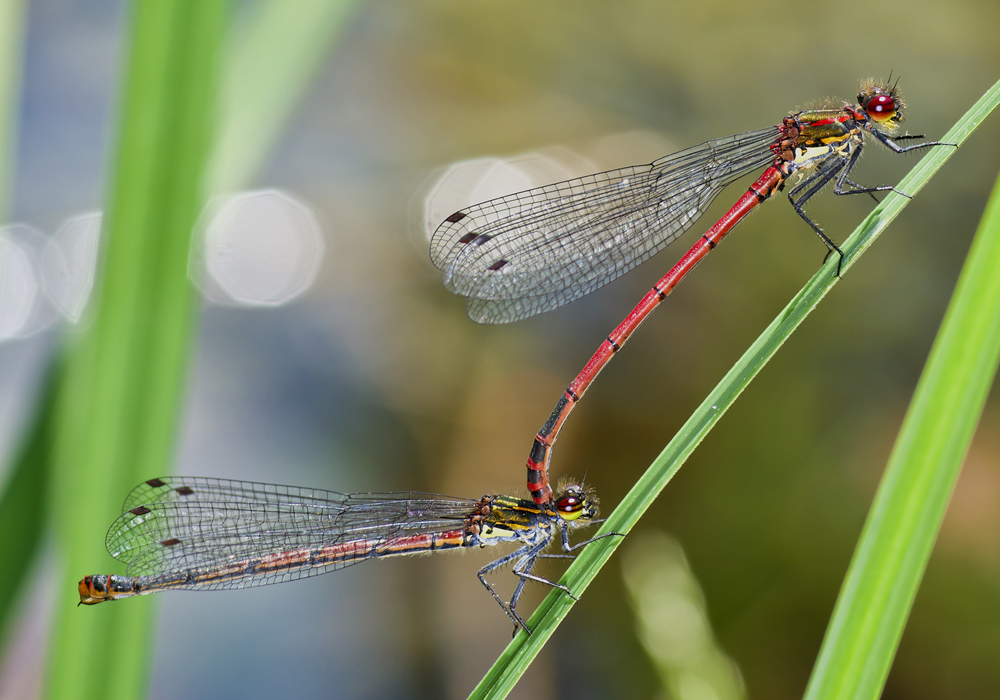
(22, 506)
(516, 658)
(267, 71)
(27, 469)
(120, 401)
(911, 501)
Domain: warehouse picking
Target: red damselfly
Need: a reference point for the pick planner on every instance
(203, 534)
(533, 251)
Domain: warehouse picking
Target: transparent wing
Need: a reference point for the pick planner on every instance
(534, 251)
(200, 525)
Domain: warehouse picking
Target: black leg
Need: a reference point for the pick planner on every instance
(493, 566)
(838, 187)
(812, 185)
(895, 147)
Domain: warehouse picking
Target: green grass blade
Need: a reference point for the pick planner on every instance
(16, 501)
(266, 73)
(23, 511)
(119, 404)
(911, 501)
(516, 658)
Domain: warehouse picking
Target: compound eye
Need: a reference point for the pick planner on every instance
(571, 504)
(881, 108)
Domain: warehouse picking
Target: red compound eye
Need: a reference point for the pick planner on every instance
(881, 108)
(571, 504)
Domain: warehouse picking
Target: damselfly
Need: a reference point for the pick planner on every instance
(203, 533)
(531, 252)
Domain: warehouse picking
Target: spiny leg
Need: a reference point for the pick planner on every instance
(838, 187)
(567, 547)
(815, 183)
(496, 564)
(896, 148)
(523, 567)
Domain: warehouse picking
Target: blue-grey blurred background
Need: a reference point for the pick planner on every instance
(374, 379)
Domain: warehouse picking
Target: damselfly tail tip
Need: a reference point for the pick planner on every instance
(93, 590)
(100, 588)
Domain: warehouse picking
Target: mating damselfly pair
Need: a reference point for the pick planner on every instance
(513, 257)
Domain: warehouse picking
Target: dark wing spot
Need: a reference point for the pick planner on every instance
(156, 483)
(497, 265)
(184, 490)
(171, 542)
(468, 238)
(482, 239)
(457, 216)
(139, 510)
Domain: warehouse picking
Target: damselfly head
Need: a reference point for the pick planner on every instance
(881, 103)
(576, 502)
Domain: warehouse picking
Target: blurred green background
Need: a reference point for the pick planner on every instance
(376, 380)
